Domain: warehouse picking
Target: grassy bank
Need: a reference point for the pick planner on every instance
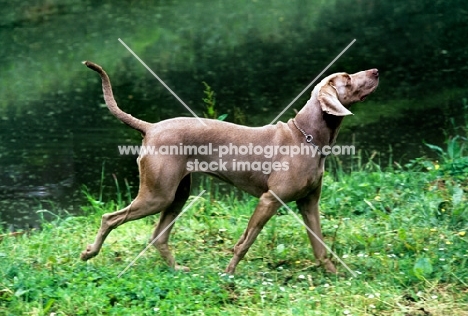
(402, 231)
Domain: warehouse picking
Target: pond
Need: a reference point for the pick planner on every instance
(57, 137)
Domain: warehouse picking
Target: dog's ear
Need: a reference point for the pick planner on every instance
(329, 102)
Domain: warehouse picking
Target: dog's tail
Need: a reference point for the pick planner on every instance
(131, 121)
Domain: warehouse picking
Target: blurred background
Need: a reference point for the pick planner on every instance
(57, 139)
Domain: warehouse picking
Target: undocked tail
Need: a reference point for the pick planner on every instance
(131, 121)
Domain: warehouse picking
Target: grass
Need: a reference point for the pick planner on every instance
(402, 231)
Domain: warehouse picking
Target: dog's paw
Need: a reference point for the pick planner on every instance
(181, 268)
(329, 266)
(87, 253)
(84, 256)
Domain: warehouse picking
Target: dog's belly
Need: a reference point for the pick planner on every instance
(250, 182)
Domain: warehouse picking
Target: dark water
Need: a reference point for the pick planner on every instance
(56, 137)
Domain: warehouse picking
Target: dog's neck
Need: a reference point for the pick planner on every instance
(322, 126)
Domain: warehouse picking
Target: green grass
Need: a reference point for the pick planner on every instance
(403, 232)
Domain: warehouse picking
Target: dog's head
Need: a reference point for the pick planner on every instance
(337, 92)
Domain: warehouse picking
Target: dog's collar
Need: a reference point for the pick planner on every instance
(309, 138)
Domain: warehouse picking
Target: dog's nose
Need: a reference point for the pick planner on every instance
(375, 72)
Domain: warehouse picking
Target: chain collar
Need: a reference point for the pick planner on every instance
(309, 139)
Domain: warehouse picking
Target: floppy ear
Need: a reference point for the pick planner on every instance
(329, 102)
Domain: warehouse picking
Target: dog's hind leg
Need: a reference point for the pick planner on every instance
(162, 231)
(153, 197)
(139, 208)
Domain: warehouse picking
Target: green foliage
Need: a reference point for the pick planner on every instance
(454, 159)
(239, 116)
(422, 268)
(210, 104)
(96, 204)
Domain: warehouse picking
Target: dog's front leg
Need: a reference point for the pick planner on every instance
(309, 208)
(266, 208)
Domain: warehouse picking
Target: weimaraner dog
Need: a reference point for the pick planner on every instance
(165, 178)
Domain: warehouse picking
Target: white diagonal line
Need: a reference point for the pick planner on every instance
(312, 82)
(310, 231)
(160, 80)
(157, 237)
